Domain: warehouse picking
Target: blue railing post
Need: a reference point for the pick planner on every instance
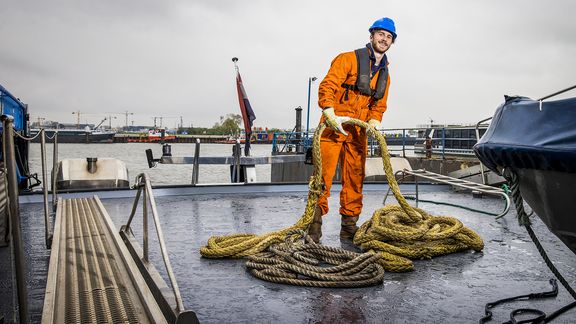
(275, 143)
(310, 80)
(443, 143)
(404, 142)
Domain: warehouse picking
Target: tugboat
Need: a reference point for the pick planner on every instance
(153, 136)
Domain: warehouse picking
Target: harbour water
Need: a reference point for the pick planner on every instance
(133, 154)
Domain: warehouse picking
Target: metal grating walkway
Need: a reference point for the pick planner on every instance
(88, 280)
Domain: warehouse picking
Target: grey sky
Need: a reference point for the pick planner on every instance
(453, 60)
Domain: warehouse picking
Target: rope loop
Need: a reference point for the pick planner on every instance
(24, 137)
(512, 178)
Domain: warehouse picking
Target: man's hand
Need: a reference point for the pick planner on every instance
(335, 122)
(374, 123)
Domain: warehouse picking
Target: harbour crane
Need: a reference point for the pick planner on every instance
(101, 122)
(77, 118)
(78, 113)
(171, 117)
(125, 113)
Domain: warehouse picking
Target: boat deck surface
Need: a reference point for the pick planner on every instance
(446, 289)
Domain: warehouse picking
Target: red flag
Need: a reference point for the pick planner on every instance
(247, 112)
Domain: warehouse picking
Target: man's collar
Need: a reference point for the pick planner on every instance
(384, 60)
(371, 51)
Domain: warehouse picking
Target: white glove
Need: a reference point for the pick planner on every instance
(374, 123)
(335, 122)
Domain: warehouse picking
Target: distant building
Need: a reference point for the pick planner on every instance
(56, 125)
(136, 129)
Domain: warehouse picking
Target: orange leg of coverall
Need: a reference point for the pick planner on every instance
(351, 152)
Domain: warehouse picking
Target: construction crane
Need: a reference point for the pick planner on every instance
(125, 113)
(40, 121)
(110, 121)
(164, 117)
(78, 113)
(77, 118)
(155, 121)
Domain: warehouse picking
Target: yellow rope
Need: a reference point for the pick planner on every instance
(401, 233)
(242, 245)
(398, 233)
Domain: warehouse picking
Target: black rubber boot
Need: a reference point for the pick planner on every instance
(349, 227)
(315, 229)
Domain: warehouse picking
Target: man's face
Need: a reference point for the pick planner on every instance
(381, 41)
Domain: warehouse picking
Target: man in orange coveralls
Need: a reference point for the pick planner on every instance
(356, 86)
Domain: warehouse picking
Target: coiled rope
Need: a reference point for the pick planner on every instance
(396, 233)
(401, 233)
(305, 264)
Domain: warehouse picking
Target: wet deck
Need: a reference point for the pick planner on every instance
(448, 289)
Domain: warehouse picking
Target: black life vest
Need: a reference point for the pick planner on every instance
(363, 79)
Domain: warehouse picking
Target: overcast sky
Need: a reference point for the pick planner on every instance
(453, 60)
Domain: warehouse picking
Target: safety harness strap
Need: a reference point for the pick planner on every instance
(363, 79)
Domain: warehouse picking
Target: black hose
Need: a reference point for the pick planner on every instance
(540, 316)
(453, 205)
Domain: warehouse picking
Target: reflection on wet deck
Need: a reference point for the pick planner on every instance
(451, 288)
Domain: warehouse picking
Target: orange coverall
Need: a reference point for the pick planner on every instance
(350, 150)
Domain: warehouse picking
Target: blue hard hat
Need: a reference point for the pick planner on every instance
(386, 24)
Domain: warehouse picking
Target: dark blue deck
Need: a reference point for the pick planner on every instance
(448, 289)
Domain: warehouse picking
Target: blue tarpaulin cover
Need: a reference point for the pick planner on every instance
(527, 134)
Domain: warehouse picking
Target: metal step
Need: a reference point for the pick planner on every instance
(89, 280)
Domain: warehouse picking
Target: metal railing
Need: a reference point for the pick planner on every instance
(439, 178)
(47, 228)
(239, 164)
(14, 215)
(10, 171)
(48, 232)
(482, 172)
(400, 140)
(446, 140)
(55, 171)
(290, 142)
(148, 201)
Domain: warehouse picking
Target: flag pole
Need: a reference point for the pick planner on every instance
(246, 117)
(235, 59)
